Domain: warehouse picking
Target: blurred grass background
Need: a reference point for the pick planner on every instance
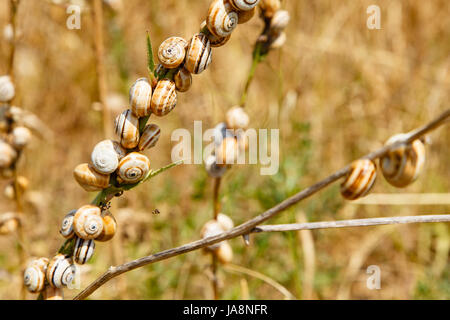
(336, 91)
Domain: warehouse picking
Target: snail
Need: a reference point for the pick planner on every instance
(140, 97)
(225, 221)
(198, 55)
(8, 223)
(221, 19)
(22, 185)
(20, 137)
(210, 229)
(7, 90)
(212, 168)
(224, 253)
(106, 156)
(401, 166)
(164, 97)
(171, 52)
(246, 16)
(51, 293)
(214, 40)
(60, 271)
(360, 180)
(279, 41)
(280, 21)
(127, 129)
(237, 118)
(244, 5)
(183, 80)
(227, 152)
(149, 137)
(109, 227)
(87, 222)
(89, 179)
(34, 275)
(269, 7)
(83, 250)
(7, 155)
(66, 229)
(133, 168)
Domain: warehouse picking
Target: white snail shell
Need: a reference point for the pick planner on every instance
(225, 221)
(214, 41)
(140, 98)
(199, 54)
(224, 253)
(66, 229)
(360, 180)
(34, 275)
(127, 129)
(20, 137)
(280, 20)
(227, 152)
(60, 271)
(149, 137)
(246, 16)
(87, 222)
(212, 168)
(183, 80)
(89, 179)
(7, 154)
(109, 227)
(221, 19)
(164, 98)
(133, 168)
(279, 41)
(270, 7)
(210, 229)
(237, 118)
(244, 5)
(106, 156)
(7, 90)
(401, 166)
(172, 51)
(51, 293)
(83, 250)
(9, 222)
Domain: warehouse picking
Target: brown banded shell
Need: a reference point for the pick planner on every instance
(89, 179)
(34, 275)
(246, 16)
(7, 154)
(60, 271)
(127, 129)
(106, 156)
(360, 180)
(140, 98)
(199, 54)
(66, 229)
(401, 166)
(164, 98)
(109, 227)
(20, 137)
(183, 80)
(269, 7)
(244, 5)
(87, 222)
(7, 90)
(237, 118)
(221, 19)
(172, 52)
(83, 250)
(214, 41)
(149, 137)
(227, 152)
(133, 168)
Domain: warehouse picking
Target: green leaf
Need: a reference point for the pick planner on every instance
(150, 59)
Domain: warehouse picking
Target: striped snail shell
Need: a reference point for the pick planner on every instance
(199, 54)
(221, 19)
(224, 253)
(212, 168)
(401, 166)
(7, 154)
(34, 275)
(66, 228)
(89, 179)
(20, 137)
(140, 97)
(164, 98)
(106, 156)
(172, 51)
(88, 222)
(227, 152)
(51, 293)
(133, 168)
(183, 80)
(270, 7)
(237, 118)
(149, 137)
(127, 129)
(83, 250)
(279, 41)
(244, 5)
(360, 180)
(109, 227)
(280, 20)
(214, 41)
(60, 271)
(210, 229)
(7, 90)
(225, 221)
(246, 16)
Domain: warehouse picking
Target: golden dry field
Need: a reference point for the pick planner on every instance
(336, 91)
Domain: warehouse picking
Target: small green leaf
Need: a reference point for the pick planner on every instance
(150, 59)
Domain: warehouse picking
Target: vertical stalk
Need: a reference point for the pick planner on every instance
(217, 208)
(255, 62)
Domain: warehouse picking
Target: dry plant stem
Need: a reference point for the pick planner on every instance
(14, 4)
(216, 204)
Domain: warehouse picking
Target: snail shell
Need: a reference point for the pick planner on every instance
(87, 222)
(224, 253)
(83, 250)
(60, 271)
(109, 227)
(244, 5)
(7, 90)
(237, 118)
(183, 80)
(34, 275)
(172, 52)
(199, 54)
(140, 98)
(22, 184)
(280, 20)
(66, 229)
(89, 179)
(279, 41)
(401, 166)
(51, 293)
(270, 7)
(7, 154)
(8, 223)
(227, 152)
(246, 16)
(106, 156)
(133, 168)
(221, 19)
(164, 98)
(360, 180)
(213, 169)
(225, 221)
(149, 137)
(127, 129)
(215, 41)
(20, 137)
(210, 229)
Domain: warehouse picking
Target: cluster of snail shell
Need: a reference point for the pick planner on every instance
(276, 21)
(400, 166)
(221, 250)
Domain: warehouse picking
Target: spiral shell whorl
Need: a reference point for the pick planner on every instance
(140, 97)
(66, 229)
(164, 98)
(127, 129)
(106, 155)
(109, 227)
(89, 179)
(199, 54)
(34, 275)
(133, 168)
(149, 137)
(87, 222)
(60, 271)
(244, 5)
(172, 52)
(83, 250)
(221, 19)
(360, 180)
